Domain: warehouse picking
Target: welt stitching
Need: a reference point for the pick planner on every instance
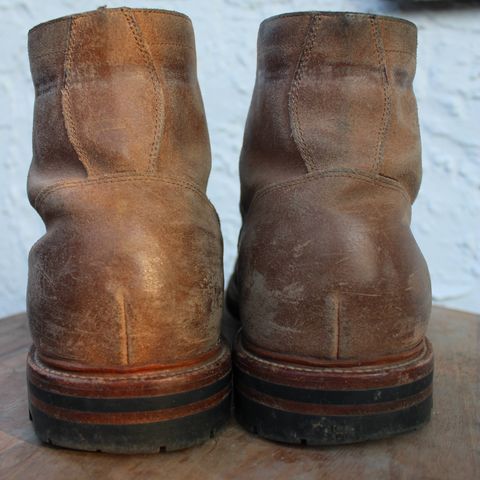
(336, 370)
(42, 196)
(377, 180)
(106, 379)
(158, 126)
(340, 370)
(382, 133)
(67, 105)
(295, 92)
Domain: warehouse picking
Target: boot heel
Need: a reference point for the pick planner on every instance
(328, 406)
(146, 412)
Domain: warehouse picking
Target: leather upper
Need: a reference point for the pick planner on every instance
(328, 268)
(129, 272)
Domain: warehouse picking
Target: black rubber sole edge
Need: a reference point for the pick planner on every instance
(126, 404)
(167, 435)
(371, 396)
(303, 429)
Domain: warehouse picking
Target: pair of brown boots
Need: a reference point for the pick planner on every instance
(330, 295)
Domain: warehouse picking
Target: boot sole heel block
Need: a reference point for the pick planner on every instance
(147, 412)
(330, 406)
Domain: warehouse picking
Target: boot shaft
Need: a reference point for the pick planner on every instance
(333, 91)
(129, 274)
(328, 269)
(116, 93)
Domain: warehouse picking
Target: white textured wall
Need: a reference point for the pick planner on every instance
(447, 212)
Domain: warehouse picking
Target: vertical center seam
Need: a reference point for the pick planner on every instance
(293, 96)
(147, 58)
(67, 114)
(386, 114)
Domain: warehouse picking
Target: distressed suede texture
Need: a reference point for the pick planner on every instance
(129, 272)
(328, 268)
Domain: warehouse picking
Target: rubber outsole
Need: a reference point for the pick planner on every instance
(155, 437)
(129, 413)
(331, 406)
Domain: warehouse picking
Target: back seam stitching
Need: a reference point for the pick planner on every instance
(42, 196)
(294, 93)
(386, 114)
(346, 174)
(147, 58)
(67, 114)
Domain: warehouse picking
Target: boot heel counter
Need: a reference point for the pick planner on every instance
(346, 272)
(112, 284)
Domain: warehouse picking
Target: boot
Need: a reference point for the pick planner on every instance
(125, 289)
(331, 291)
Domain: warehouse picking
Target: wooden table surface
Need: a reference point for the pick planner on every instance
(449, 447)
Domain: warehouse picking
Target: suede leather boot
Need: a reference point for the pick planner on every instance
(125, 289)
(331, 291)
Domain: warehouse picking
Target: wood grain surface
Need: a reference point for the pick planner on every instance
(448, 448)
